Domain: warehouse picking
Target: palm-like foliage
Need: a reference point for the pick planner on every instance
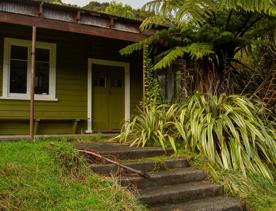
(211, 32)
(231, 131)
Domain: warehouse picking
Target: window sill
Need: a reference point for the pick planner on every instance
(28, 99)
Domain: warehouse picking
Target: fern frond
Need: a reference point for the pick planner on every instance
(163, 7)
(154, 6)
(148, 41)
(171, 56)
(195, 51)
(195, 11)
(267, 7)
(199, 50)
(155, 20)
(132, 48)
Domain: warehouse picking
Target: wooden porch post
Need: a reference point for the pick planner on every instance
(144, 75)
(32, 84)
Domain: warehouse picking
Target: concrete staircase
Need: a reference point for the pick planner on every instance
(173, 183)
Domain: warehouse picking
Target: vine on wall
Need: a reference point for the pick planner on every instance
(152, 89)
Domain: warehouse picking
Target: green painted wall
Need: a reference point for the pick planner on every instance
(73, 51)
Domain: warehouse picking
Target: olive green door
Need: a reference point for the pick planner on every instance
(107, 97)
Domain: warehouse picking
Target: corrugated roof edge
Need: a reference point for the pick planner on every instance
(68, 7)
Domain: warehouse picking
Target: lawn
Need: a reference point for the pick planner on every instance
(50, 175)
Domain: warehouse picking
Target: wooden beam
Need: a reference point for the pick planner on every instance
(32, 86)
(41, 22)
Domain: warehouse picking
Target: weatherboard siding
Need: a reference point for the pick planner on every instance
(73, 51)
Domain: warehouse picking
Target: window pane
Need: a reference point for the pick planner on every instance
(42, 55)
(117, 83)
(18, 76)
(18, 52)
(99, 82)
(42, 78)
(162, 79)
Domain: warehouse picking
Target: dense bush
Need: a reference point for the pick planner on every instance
(231, 131)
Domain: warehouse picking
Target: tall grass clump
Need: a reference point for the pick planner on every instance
(70, 162)
(149, 127)
(232, 132)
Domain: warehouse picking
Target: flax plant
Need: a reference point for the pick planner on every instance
(148, 128)
(232, 132)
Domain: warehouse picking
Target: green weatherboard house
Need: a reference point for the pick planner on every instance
(82, 84)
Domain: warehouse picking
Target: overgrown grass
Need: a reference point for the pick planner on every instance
(53, 176)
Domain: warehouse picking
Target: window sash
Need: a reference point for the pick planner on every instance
(8, 42)
(18, 74)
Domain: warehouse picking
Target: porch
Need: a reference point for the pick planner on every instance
(82, 84)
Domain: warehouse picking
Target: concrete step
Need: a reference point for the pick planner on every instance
(221, 203)
(147, 166)
(167, 177)
(123, 151)
(179, 193)
(173, 185)
(136, 153)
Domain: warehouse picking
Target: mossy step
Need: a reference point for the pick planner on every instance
(179, 193)
(147, 166)
(123, 151)
(221, 203)
(166, 177)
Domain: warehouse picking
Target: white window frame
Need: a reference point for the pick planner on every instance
(8, 42)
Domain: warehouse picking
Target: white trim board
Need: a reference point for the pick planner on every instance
(126, 67)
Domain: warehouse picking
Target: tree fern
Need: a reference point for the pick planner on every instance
(215, 29)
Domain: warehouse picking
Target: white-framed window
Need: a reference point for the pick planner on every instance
(17, 70)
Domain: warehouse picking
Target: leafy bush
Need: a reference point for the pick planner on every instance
(231, 131)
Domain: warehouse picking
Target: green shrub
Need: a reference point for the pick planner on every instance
(231, 131)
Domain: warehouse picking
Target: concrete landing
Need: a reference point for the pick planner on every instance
(5, 138)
